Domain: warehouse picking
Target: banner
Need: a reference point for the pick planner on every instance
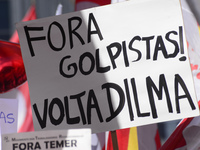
(46, 140)
(84, 74)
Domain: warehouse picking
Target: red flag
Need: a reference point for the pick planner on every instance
(123, 138)
(30, 15)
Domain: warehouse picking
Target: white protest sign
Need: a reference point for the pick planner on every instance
(8, 116)
(55, 139)
(109, 67)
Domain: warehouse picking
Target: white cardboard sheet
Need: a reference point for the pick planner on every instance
(8, 116)
(109, 67)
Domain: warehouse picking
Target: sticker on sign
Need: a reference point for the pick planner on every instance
(54, 139)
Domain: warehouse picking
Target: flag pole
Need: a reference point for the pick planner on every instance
(114, 140)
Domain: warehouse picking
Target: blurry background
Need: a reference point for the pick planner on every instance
(195, 7)
(13, 11)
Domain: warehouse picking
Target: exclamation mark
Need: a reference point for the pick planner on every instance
(183, 58)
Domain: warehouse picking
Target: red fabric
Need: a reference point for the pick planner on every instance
(90, 3)
(157, 140)
(30, 15)
(109, 143)
(103, 147)
(176, 140)
(122, 139)
(28, 122)
(99, 2)
(12, 71)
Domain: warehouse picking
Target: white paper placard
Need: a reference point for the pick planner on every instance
(109, 67)
(46, 140)
(8, 116)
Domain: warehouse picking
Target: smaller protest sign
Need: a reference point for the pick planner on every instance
(8, 116)
(46, 140)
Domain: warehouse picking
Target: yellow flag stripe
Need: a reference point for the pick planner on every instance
(133, 139)
(199, 29)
